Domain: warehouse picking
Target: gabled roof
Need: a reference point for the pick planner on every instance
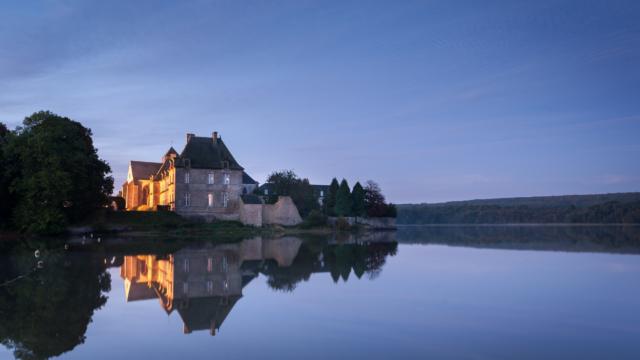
(171, 151)
(207, 153)
(143, 169)
(246, 179)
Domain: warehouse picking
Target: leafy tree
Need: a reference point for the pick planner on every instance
(358, 200)
(287, 183)
(374, 200)
(330, 203)
(343, 200)
(283, 182)
(7, 201)
(57, 176)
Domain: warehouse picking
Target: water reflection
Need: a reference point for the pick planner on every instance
(204, 283)
(45, 312)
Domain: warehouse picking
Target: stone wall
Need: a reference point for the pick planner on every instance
(283, 212)
(251, 214)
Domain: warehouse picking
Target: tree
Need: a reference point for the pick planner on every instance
(58, 177)
(283, 182)
(287, 183)
(343, 200)
(7, 202)
(374, 202)
(358, 200)
(330, 203)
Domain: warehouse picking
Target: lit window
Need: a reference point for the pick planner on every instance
(210, 179)
(186, 177)
(210, 199)
(227, 179)
(187, 199)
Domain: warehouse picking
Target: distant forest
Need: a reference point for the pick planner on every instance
(577, 209)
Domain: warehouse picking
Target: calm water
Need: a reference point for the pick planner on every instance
(438, 292)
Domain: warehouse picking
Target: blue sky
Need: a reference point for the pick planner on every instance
(434, 100)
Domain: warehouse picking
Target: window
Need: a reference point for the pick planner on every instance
(225, 285)
(210, 179)
(209, 264)
(185, 265)
(187, 199)
(225, 199)
(209, 287)
(321, 192)
(225, 264)
(227, 179)
(185, 288)
(266, 191)
(210, 199)
(186, 177)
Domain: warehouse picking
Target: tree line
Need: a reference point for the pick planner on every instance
(611, 212)
(51, 174)
(340, 200)
(360, 201)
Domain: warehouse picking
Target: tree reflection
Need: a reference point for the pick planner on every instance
(46, 312)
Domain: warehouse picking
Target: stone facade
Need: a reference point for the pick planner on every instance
(203, 181)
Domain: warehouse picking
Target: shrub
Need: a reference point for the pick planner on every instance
(342, 224)
(314, 219)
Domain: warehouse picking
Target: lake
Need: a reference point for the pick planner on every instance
(477, 292)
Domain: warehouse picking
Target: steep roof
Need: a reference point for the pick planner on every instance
(207, 153)
(246, 179)
(201, 312)
(143, 169)
(171, 151)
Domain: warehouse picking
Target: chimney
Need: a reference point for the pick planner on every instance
(214, 136)
(189, 136)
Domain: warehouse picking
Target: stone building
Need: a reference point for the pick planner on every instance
(204, 180)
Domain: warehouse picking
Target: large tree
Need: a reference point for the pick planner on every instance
(6, 200)
(330, 203)
(57, 176)
(374, 202)
(287, 183)
(343, 200)
(357, 196)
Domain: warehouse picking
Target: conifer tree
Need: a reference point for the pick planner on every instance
(330, 203)
(343, 200)
(357, 195)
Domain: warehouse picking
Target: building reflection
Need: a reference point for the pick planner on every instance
(204, 283)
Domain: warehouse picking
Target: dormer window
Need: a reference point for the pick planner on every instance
(225, 164)
(266, 191)
(187, 163)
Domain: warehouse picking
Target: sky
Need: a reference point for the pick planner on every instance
(434, 100)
